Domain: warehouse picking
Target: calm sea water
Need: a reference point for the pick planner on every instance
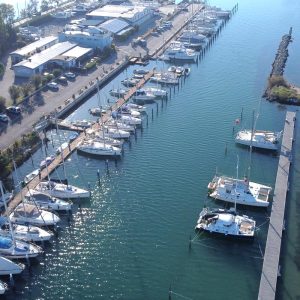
(130, 240)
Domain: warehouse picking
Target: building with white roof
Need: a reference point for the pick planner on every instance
(72, 58)
(92, 37)
(135, 15)
(39, 61)
(33, 48)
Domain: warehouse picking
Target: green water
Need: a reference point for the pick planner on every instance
(131, 239)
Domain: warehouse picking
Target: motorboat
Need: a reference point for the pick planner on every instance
(31, 175)
(46, 201)
(16, 249)
(130, 82)
(131, 120)
(27, 233)
(240, 191)
(46, 162)
(177, 51)
(179, 71)
(116, 133)
(260, 139)
(73, 136)
(118, 92)
(97, 111)
(3, 287)
(187, 71)
(138, 76)
(172, 69)
(61, 190)
(82, 123)
(26, 213)
(140, 71)
(7, 267)
(226, 223)
(98, 149)
(62, 147)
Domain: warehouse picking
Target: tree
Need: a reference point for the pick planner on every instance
(2, 68)
(7, 13)
(2, 104)
(44, 5)
(14, 92)
(57, 72)
(26, 89)
(36, 81)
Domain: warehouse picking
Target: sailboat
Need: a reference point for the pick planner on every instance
(12, 248)
(226, 222)
(240, 191)
(262, 139)
(8, 267)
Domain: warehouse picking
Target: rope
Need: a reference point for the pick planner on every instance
(181, 296)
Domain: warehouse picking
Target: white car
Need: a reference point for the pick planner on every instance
(70, 75)
(53, 86)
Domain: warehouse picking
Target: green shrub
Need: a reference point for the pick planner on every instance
(2, 104)
(2, 69)
(277, 81)
(283, 93)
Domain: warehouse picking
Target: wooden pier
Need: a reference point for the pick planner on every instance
(73, 145)
(270, 269)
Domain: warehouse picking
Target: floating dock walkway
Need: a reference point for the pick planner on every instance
(73, 146)
(270, 269)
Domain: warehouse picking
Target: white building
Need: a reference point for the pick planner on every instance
(135, 15)
(91, 37)
(39, 61)
(33, 48)
(72, 58)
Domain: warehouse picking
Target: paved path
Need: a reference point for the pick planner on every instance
(268, 281)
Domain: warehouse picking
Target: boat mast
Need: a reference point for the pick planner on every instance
(250, 149)
(5, 206)
(236, 181)
(101, 121)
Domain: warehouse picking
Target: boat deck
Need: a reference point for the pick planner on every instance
(268, 281)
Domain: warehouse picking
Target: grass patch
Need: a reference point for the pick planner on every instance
(283, 93)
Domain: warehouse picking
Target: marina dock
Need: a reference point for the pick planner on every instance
(270, 269)
(73, 145)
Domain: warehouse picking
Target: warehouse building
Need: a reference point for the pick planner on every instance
(135, 15)
(33, 48)
(116, 27)
(72, 58)
(39, 61)
(92, 37)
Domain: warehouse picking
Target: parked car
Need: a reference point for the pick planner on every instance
(3, 118)
(53, 86)
(62, 79)
(70, 75)
(16, 110)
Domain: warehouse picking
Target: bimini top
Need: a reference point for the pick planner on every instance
(5, 243)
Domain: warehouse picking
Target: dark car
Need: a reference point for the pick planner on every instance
(3, 118)
(13, 110)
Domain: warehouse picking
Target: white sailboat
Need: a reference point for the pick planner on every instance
(99, 149)
(26, 213)
(116, 133)
(63, 191)
(7, 267)
(240, 191)
(131, 120)
(45, 201)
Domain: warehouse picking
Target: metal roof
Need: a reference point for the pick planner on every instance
(33, 46)
(39, 59)
(77, 52)
(116, 11)
(114, 25)
(90, 22)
